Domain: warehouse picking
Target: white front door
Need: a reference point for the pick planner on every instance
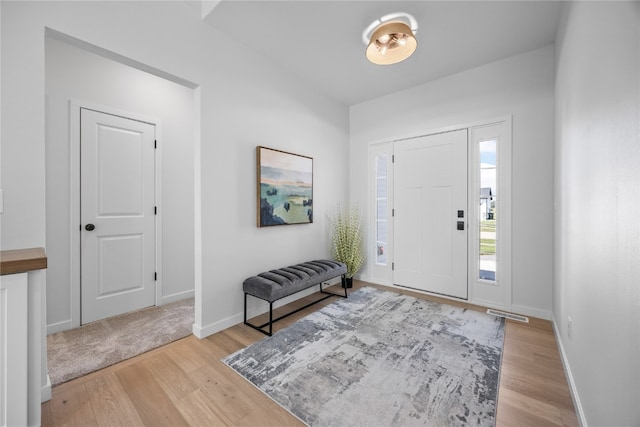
(430, 218)
(117, 212)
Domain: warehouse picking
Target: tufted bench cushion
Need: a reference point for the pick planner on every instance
(277, 284)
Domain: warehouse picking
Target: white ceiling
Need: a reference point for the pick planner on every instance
(322, 40)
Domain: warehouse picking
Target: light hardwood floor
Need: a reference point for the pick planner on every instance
(185, 383)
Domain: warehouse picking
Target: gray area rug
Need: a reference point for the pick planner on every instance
(77, 352)
(381, 358)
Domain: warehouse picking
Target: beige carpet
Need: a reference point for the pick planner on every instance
(77, 352)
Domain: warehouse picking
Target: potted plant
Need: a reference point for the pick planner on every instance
(347, 241)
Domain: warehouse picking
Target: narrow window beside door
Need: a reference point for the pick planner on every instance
(381, 209)
(488, 210)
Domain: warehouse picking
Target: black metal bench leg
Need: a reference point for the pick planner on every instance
(334, 293)
(260, 327)
(270, 318)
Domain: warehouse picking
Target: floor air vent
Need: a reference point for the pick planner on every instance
(516, 317)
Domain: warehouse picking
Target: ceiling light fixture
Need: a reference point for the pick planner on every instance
(391, 39)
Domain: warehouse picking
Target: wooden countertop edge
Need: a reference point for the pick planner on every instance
(22, 260)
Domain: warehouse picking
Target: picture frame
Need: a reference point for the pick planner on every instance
(284, 187)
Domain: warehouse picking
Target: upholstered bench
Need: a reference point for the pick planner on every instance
(274, 285)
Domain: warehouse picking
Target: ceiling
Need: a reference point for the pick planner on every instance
(321, 41)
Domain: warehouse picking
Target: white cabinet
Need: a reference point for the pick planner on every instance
(24, 379)
(14, 349)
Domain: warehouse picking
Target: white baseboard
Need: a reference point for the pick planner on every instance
(177, 297)
(531, 311)
(567, 369)
(59, 327)
(212, 328)
(45, 392)
(489, 304)
(67, 324)
(333, 281)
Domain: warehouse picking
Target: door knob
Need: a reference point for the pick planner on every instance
(89, 227)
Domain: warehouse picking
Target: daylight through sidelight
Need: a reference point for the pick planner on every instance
(381, 209)
(488, 213)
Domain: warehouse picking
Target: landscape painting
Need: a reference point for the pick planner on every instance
(285, 188)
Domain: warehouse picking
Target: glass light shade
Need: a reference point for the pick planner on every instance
(391, 43)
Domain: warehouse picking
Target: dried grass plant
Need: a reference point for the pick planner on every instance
(347, 240)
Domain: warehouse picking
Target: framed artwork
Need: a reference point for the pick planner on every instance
(285, 187)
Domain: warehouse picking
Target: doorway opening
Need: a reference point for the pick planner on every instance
(77, 75)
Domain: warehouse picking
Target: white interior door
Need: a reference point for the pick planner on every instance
(430, 191)
(117, 212)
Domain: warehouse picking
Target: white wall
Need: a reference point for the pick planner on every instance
(521, 86)
(76, 74)
(597, 191)
(1, 193)
(243, 102)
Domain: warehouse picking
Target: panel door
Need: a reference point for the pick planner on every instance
(430, 190)
(117, 211)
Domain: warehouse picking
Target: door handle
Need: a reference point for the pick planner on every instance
(89, 227)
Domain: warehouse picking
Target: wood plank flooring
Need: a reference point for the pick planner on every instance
(186, 384)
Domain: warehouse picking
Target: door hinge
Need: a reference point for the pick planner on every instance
(393, 266)
(155, 143)
(155, 277)
(393, 212)
(155, 210)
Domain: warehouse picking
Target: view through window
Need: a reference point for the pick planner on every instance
(488, 210)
